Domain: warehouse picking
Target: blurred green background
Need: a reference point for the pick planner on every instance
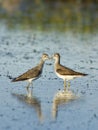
(46, 15)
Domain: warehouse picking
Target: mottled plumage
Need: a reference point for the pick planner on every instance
(30, 74)
(67, 71)
(33, 73)
(64, 72)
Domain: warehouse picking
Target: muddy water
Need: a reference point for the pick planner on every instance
(50, 107)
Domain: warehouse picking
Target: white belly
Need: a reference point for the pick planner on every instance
(30, 80)
(67, 77)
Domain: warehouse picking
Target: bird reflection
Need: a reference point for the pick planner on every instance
(61, 97)
(31, 100)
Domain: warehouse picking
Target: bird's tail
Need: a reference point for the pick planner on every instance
(18, 79)
(14, 80)
(84, 74)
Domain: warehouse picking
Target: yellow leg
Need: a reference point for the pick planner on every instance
(29, 95)
(65, 85)
(29, 92)
(27, 87)
(68, 85)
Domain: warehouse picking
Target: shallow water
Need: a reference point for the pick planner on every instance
(19, 51)
(22, 42)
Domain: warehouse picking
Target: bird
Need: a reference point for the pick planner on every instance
(63, 72)
(33, 73)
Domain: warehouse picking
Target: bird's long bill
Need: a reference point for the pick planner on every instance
(51, 57)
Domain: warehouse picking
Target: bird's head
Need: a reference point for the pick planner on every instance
(56, 56)
(45, 57)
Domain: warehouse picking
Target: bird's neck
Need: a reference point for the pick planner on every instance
(41, 63)
(57, 61)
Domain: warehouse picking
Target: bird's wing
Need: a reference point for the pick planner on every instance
(32, 73)
(67, 71)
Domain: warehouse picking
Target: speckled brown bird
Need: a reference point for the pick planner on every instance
(33, 73)
(63, 72)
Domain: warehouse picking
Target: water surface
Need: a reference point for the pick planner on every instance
(21, 47)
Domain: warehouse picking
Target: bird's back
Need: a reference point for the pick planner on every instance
(67, 71)
(30, 74)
